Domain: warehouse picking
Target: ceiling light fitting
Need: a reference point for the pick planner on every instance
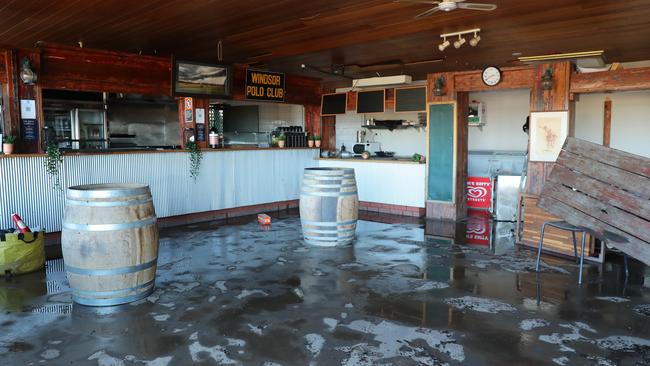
(461, 40)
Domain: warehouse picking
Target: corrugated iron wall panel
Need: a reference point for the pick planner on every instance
(227, 179)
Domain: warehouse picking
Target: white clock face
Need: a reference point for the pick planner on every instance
(491, 76)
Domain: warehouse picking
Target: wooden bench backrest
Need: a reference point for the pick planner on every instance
(604, 190)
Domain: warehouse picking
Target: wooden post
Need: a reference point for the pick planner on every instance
(607, 125)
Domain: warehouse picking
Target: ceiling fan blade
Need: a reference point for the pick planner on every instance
(424, 62)
(476, 6)
(417, 2)
(427, 13)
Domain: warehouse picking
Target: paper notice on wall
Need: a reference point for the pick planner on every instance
(200, 115)
(27, 109)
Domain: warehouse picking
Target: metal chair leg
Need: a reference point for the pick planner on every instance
(575, 245)
(539, 249)
(582, 257)
(627, 270)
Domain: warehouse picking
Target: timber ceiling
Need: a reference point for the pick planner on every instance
(282, 34)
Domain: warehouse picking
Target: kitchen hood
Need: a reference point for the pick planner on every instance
(382, 81)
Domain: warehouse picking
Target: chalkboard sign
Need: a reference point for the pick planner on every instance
(440, 183)
(200, 132)
(371, 101)
(411, 99)
(333, 104)
(29, 130)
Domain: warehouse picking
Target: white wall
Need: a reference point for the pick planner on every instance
(630, 120)
(404, 142)
(506, 112)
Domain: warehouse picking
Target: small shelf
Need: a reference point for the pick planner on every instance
(399, 127)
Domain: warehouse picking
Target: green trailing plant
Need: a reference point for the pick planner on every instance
(196, 155)
(316, 137)
(312, 137)
(9, 139)
(53, 161)
(282, 138)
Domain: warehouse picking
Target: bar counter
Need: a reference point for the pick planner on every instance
(229, 178)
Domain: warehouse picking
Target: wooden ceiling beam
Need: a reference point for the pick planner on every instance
(619, 80)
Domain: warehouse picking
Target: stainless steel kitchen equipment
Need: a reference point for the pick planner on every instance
(506, 191)
(371, 147)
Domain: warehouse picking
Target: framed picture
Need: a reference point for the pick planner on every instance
(199, 79)
(548, 130)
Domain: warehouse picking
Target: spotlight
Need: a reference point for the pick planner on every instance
(459, 42)
(444, 45)
(474, 41)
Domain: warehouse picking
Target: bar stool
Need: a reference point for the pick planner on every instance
(563, 225)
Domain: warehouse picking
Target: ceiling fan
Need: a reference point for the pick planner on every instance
(448, 5)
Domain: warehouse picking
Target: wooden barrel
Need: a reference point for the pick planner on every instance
(329, 206)
(110, 243)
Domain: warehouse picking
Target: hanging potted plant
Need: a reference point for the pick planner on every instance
(317, 140)
(8, 144)
(310, 141)
(281, 141)
(195, 158)
(53, 160)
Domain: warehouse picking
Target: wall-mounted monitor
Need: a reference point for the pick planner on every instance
(199, 79)
(333, 104)
(411, 99)
(371, 101)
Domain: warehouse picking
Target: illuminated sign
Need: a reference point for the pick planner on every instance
(264, 85)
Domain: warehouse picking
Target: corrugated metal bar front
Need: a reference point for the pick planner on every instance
(227, 179)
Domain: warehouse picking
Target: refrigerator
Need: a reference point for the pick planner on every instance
(76, 128)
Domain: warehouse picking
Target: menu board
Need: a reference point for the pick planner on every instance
(371, 101)
(29, 129)
(334, 104)
(411, 99)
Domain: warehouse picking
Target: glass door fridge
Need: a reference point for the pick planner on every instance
(58, 124)
(89, 130)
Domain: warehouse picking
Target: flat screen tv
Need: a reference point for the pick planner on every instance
(199, 79)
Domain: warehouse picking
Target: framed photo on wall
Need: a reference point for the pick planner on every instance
(548, 130)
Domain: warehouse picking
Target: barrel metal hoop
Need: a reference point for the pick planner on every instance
(115, 292)
(321, 223)
(328, 194)
(329, 177)
(109, 227)
(112, 301)
(71, 202)
(353, 185)
(107, 192)
(112, 271)
(331, 232)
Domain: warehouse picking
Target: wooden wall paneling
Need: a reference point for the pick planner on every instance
(85, 69)
(28, 92)
(328, 137)
(187, 129)
(556, 99)
(511, 78)
(607, 122)
(205, 104)
(462, 147)
(313, 119)
(389, 99)
(450, 88)
(4, 55)
(352, 101)
(618, 80)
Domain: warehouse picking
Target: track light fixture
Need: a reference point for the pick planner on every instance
(474, 41)
(443, 45)
(461, 40)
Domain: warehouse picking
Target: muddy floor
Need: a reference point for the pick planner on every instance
(239, 294)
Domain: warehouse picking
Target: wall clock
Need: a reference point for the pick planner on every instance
(491, 76)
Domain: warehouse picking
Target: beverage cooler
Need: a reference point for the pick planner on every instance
(75, 120)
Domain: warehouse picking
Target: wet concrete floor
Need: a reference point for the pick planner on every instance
(239, 294)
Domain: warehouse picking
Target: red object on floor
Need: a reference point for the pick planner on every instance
(479, 192)
(20, 224)
(478, 227)
(264, 219)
